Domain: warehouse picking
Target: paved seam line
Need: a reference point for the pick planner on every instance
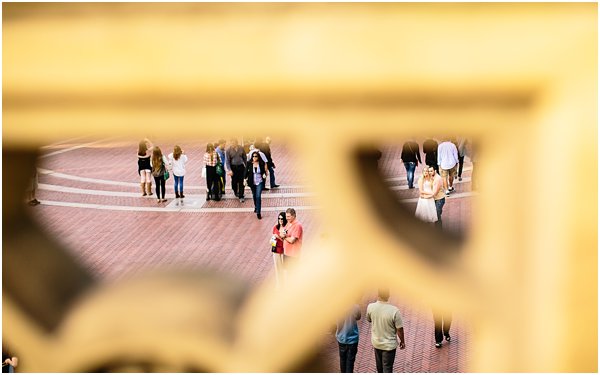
(74, 148)
(171, 209)
(109, 193)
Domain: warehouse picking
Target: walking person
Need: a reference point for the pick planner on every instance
(430, 147)
(177, 160)
(256, 176)
(211, 159)
(236, 167)
(221, 151)
(347, 337)
(447, 160)
(144, 168)
(426, 210)
(277, 248)
(462, 148)
(159, 166)
(32, 188)
(411, 156)
(442, 321)
(386, 324)
(439, 197)
(265, 147)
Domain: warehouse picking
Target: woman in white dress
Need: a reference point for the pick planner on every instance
(426, 205)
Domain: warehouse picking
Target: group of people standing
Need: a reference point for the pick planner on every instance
(152, 162)
(249, 165)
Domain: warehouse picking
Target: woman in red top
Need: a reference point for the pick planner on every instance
(277, 246)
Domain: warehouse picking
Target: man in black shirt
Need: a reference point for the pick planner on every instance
(236, 167)
(430, 147)
(411, 156)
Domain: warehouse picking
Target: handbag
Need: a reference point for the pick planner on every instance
(166, 175)
(220, 169)
(204, 172)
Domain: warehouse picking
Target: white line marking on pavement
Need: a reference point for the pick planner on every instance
(135, 184)
(108, 193)
(75, 147)
(400, 178)
(181, 208)
(171, 207)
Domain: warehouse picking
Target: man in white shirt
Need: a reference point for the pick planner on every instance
(386, 324)
(447, 160)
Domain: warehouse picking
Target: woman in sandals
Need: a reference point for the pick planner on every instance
(144, 168)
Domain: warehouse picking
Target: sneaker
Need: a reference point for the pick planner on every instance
(459, 178)
(451, 189)
(447, 193)
(33, 202)
(242, 200)
(448, 338)
(266, 188)
(275, 186)
(438, 344)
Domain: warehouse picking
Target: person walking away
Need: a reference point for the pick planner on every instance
(178, 159)
(277, 248)
(430, 147)
(462, 148)
(439, 197)
(159, 166)
(442, 321)
(256, 176)
(211, 159)
(447, 160)
(411, 156)
(386, 324)
(347, 337)
(221, 151)
(236, 167)
(265, 147)
(144, 168)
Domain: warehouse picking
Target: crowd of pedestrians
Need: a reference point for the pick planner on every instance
(249, 165)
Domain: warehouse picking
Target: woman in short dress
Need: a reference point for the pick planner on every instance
(278, 248)
(426, 205)
(159, 165)
(144, 168)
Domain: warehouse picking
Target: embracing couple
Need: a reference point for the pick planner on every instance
(431, 197)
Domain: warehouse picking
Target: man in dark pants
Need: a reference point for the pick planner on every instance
(442, 321)
(430, 147)
(411, 157)
(236, 167)
(386, 323)
(439, 197)
(347, 337)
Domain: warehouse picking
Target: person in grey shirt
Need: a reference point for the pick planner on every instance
(236, 167)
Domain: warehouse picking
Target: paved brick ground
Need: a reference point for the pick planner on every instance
(121, 239)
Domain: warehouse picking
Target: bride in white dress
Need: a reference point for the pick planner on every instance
(426, 205)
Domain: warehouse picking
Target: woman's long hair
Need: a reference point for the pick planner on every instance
(281, 215)
(142, 148)
(176, 152)
(156, 159)
(210, 149)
